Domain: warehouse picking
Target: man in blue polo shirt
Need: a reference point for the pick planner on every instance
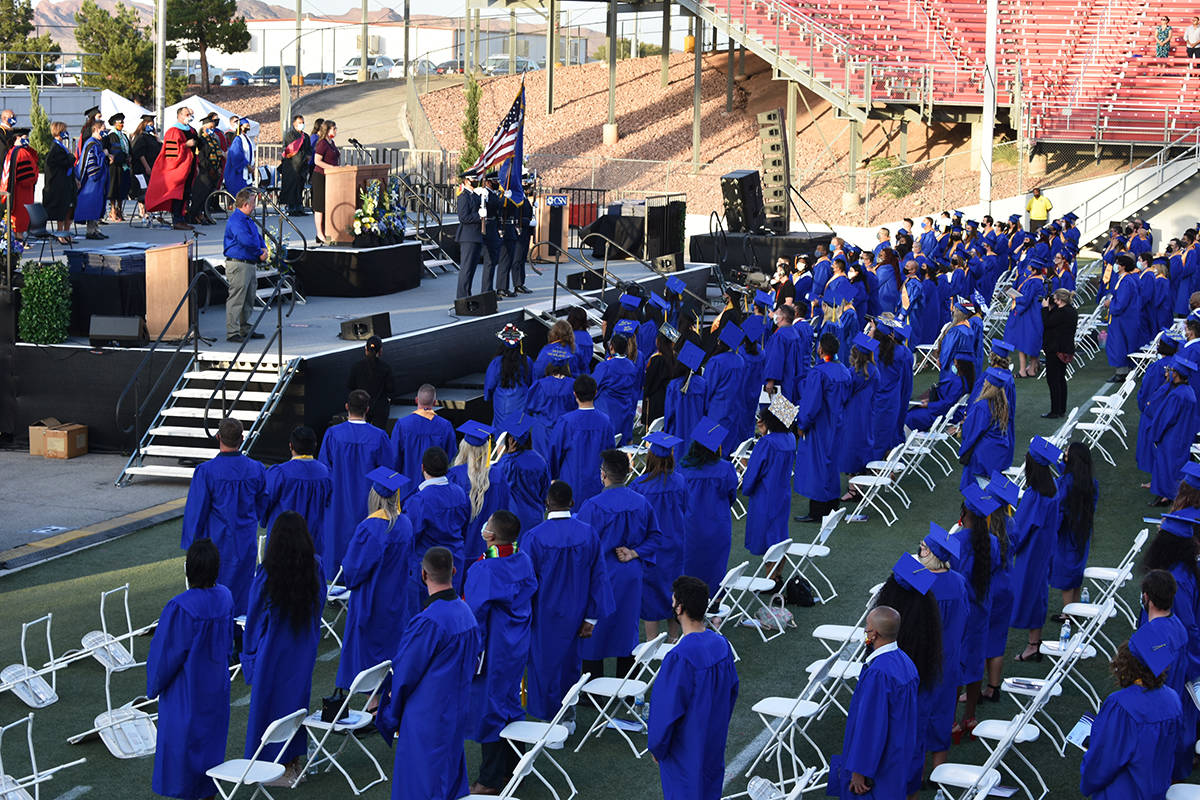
(244, 249)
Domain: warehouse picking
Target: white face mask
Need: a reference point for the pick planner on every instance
(299, 126)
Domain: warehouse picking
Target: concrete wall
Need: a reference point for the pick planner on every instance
(66, 103)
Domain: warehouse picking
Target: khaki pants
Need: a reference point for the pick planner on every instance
(243, 280)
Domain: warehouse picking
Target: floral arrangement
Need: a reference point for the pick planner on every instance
(368, 215)
(17, 244)
(381, 210)
(395, 218)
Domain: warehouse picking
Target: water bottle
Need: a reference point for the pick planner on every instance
(759, 788)
(639, 708)
(941, 795)
(1084, 596)
(1064, 636)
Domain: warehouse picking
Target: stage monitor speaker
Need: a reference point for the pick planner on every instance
(742, 193)
(664, 227)
(476, 305)
(584, 281)
(120, 331)
(672, 262)
(365, 327)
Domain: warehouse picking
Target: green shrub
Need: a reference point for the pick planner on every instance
(45, 303)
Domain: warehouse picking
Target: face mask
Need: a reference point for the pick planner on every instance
(189, 120)
(300, 126)
(149, 129)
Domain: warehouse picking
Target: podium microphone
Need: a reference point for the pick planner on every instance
(358, 145)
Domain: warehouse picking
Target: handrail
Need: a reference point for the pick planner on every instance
(193, 334)
(613, 245)
(283, 217)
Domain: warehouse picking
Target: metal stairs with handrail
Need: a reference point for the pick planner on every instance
(421, 200)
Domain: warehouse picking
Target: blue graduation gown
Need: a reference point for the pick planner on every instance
(950, 590)
(377, 560)
(1066, 568)
(748, 394)
(881, 729)
(708, 534)
(1150, 398)
(224, 503)
(929, 314)
(430, 703)
(93, 177)
(1002, 600)
(888, 406)
(765, 484)
(413, 435)
(496, 498)
(617, 392)
(785, 357)
(549, 399)
(903, 357)
(694, 696)
(1024, 328)
(889, 290)
(857, 445)
(621, 518)
(1172, 432)
(1031, 540)
(668, 496)
(683, 410)
(848, 328)
(572, 587)
(439, 514)
(1148, 315)
(990, 446)
(500, 594)
(508, 402)
(237, 159)
(1123, 315)
(822, 400)
(944, 395)
(350, 450)
(575, 446)
(958, 343)
(724, 377)
(1132, 750)
(277, 661)
(528, 480)
(302, 485)
(1175, 634)
(979, 610)
(1182, 269)
(188, 671)
(585, 350)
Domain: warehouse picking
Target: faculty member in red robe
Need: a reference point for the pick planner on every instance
(19, 176)
(171, 177)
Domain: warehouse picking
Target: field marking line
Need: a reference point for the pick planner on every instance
(71, 794)
(747, 754)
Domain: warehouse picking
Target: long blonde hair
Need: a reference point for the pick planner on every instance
(997, 402)
(475, 456)
(388, 505)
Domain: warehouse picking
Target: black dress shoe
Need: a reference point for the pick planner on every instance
(1159, 502)
(806, 518)
(507, 293)
(255, 335)
(523, 289)
(1051, 415)
(237, 337)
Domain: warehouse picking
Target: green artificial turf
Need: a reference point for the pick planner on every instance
(152, 564)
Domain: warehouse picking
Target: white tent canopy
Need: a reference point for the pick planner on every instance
(112, 103)
(203, 108)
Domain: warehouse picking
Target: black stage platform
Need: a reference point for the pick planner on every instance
(332, 271)
(753, 251)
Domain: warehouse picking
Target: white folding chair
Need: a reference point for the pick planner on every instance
(548, 735)
(784, 718)
(239, 772)
(12, 788)
(522, 770)
(127, 731)
(106, 648)
(337, 597)
(991, 732)
(1103, 578)
(611, 695)
(740, 457)
(869, 486)
(800, 556)
(721, 614)
(347, 722)
(26, 682)
(743, 593)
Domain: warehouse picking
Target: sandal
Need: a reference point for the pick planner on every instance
(993, 696)
(1026, 656)
(964, 728)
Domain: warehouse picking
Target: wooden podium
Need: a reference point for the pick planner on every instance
(552, 224)
(342, 188)
(167, 278)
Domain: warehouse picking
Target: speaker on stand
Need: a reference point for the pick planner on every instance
(742, 192)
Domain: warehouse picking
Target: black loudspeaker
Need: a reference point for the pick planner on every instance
(584, 281)
(477, 305)
(742, 192)
(669, 263)
(365, 327)
(664, 226)
(119, 331)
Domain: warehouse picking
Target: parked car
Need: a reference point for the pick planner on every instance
(191, 69)
(68, 74)
(319, 79)
(498, 65)
(269, 76)
(454, 67)
(377, 67)
(235, 77)
(418, 66)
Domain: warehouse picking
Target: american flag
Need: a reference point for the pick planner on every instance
(507, 140)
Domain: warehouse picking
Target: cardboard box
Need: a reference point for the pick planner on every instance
(66, 441)
(37, 435)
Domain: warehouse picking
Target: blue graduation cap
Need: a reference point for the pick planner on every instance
(557, 353)
(709, 434)
(475, 433)
(853, 249)
(866, 343)
(631, 301)
(1183, 366)
(1043, 452)
(972, 223)
(691, 356)
(1070, 216)
(625, 327)
(998, 377)
(1150, 646)
(732, 336)
(980, 502)
(1191, 474)
(511, 335)
(659, 302)
(386, 481)
(1004, 489)
(960, 303)
(764, 299)
(1145, 226)
(753, 326)
(661, 444)
(840, 257)
(519, 428)
(676, 286)
(1001, 348)
(940, 543)
(913, 574)
(958, 214)
(1014, 217)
